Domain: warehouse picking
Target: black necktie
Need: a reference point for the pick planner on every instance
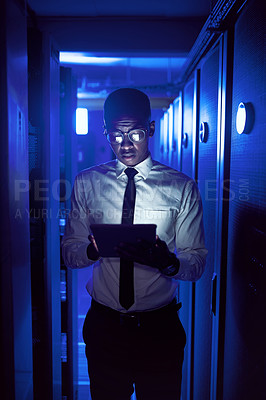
(126, 284)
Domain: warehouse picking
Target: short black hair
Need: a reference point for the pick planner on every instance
(127, 102)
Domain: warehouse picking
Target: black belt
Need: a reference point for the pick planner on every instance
(135, 316)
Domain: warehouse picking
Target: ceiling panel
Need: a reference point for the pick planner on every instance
(165, 8)
(96, 76)
(132, 31)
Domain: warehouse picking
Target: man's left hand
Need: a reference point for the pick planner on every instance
(155, 255)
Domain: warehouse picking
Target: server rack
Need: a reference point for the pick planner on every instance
(223, 312)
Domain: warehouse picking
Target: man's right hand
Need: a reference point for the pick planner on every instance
(92, 249)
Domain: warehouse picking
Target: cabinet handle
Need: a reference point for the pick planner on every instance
(203, 132)
(185, 140)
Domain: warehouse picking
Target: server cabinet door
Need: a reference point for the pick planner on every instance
(50, 151)
(245, 328)
(175, 145)
(68, 171)
(165, 137)
(185, 288)
(170, 113)
(187, 137)
(207, 168)
(15, 273)
(161, 138)
(43, 101)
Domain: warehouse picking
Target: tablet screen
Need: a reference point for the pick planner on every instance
(108, 236)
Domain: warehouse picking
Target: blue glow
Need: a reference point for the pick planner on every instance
(83, 58)
(81, 121)
(93, 95)
(62, 222)
(68, 57)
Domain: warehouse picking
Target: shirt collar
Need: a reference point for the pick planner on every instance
(143, 168)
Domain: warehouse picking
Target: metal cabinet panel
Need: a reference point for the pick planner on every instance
(175, 145)
(68, 171)
(245, 327)
(187, 137)
(170, 135)
(185, 289)
(15, 281)
(207, 171)
(165, 139)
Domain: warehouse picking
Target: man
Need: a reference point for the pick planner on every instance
(132, 331)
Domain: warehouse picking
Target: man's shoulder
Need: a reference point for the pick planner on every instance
(100, 169)
(165, 170)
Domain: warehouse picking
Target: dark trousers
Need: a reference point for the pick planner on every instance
(146, 349)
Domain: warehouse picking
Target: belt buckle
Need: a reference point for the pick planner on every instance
(127, 317)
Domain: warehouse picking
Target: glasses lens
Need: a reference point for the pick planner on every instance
(137, 135)
(115, 137)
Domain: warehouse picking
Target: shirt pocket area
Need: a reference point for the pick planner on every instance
(164, 218)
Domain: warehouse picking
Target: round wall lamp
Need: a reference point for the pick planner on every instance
(244, 118)
(203, 132)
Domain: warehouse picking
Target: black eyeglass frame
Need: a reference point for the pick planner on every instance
(128, 134)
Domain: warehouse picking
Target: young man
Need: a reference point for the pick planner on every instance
(132, 331)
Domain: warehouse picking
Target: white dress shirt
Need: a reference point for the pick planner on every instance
(164, 197)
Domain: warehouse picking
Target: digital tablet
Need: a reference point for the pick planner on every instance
(108, 236)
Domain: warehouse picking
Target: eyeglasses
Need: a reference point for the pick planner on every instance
(134, 135)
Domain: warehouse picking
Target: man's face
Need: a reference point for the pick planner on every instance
(127, 152)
